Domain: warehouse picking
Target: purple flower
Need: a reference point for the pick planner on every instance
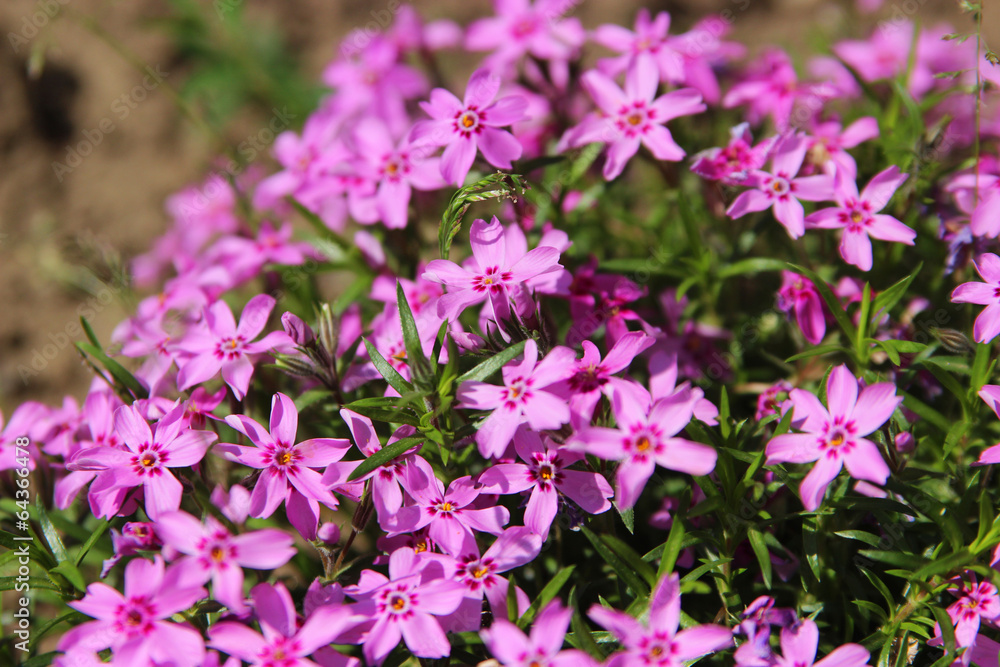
(450, 515)
(287, 467)
(800, 641)
(644, 438)
(986, 293)
(283, 642)
(781, 190)
(216, 554)
(135, 625)
(222, 345)
(632, 117)
(524, 396)
(405, 604)
(145, 461)
(470, 124)
(732, 163)
(658, 642)
(513, 648)
(547, 475)
(799, 294)
(829, 141)
(858, 215)
(490, 274)
(834, 438)
(976, 601)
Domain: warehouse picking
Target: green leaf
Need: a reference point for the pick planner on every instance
(627, 575)
(760, 551)
(546, 596)
(384, 455)
(947, 630)
(860, 535)
(391, 375)
(926, 412)
(633, 559)
(411, 337)
(95, 535)
(891, 296)
(118, 372)
(10, 583)
(310, 397)
(89, 332)
(832, 302)
(816, 351)
(49, 532)
(584, 639)
(9, 541)
(490, 366)
(890, 603)
(68, 570)
(945, 565)
(751, 266)
(724, 426)
(628, 518)
(671, 548)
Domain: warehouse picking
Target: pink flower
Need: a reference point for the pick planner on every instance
(834, 438)
(222, 345)
(524, 396)
(732, 163)
(772, 89)
(548, 476)
(800, 641)
(986, 293)
(492, 273)
(135, 625)
(644, 438)
(287, 467)
(283, 642)
(145, 461)
(451, 515)
(657, 642)
(632, 117)
(781, 189)
(799, 294)
(463, 126)
(405, 604)
(858, 215)
(542, 648)
(976, 601)
(216, 554)
(829, 140)
(648, 40)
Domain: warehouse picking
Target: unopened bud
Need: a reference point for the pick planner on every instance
(297, 330)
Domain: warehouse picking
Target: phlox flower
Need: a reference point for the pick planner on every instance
(658, 642)
(986, 293)
(772, 88)
(858, 215)
(222, 345)
(646, 437)
(647, 40)
(144, 461)
(215, 554)
(134, 625)
(797, 293)
(492, 272)
(282, 642)
(977, 601)
(731, 163)
(287, 473)
(991, 394)
(98, 415)
(782, 188)
(828, 141)
(525, 396)
(834, 437)
(463, 126)
(405, 604)
(546, 473)
(542, 648)
(451, 516)
(632, 117)
(800, 641)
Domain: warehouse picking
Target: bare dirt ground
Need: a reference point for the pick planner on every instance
(59, 206)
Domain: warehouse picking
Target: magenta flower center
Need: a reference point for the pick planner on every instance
(778, 187)
(635, 119)
(283, 651)
(398, 603)
(839, 438)
(492, 280)
(135, 616)
(518, 391)
(524, 27)
(285, 459)
(395, 167)
(588, 378)
(230, 348)
(149, 460)
(469, 121)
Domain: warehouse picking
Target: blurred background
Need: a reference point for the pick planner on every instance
(109, 106)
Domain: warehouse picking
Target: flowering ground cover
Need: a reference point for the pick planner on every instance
(642, 351)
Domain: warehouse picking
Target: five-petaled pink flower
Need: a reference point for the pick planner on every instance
(986, 293)
(524, 396)
(800, 641)
(287, 467)
(222, 345)
(859, 217)
(214, 553)
(490, 274)
(474, 122)
(542, 648)
(658, 643)
(135, 624)
(977, 600)
(835, 437)
(782, 188)
(632, 117)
